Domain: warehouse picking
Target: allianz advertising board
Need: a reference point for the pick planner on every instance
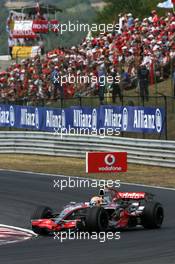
(121, 118)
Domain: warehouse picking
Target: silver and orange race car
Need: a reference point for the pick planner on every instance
(109, 210)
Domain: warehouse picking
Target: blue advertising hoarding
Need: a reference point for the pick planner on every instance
(124, 118)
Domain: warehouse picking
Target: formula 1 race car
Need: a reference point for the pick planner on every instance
(110, 210)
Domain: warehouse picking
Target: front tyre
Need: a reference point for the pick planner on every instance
(96, 219)
(41, 212)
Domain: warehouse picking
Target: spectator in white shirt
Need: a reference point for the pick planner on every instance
(11, 44)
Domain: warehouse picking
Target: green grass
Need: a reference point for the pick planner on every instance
(141, 174)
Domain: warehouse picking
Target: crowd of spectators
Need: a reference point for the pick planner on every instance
(149, 42)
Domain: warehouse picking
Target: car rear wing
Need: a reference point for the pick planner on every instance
(135, 195)
(115, 194)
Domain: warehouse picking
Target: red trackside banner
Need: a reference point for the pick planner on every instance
(41, 26)
(105, 162)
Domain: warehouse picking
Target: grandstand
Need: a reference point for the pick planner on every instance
(149, 42)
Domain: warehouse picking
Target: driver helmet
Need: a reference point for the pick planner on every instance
(96, 201)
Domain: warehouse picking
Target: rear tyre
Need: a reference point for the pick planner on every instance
(153, 215)
(41, 212)
(96, 219)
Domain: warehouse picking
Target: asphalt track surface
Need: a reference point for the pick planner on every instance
(20, 193)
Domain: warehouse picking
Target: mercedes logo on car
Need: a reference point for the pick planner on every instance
(109, 159)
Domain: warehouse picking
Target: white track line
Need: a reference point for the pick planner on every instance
(20, 229)
(85, 178)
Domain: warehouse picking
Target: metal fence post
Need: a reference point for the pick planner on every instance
(61, 103)
(165, 122)
(166, 113)
(80, 101)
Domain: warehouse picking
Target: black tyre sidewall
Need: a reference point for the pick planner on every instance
(96, 219)
(42, 212)
(151, 215)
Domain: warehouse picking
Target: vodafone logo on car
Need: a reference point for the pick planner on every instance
(102, 162)
(132, 195)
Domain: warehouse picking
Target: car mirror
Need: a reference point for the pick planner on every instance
(101, 192)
